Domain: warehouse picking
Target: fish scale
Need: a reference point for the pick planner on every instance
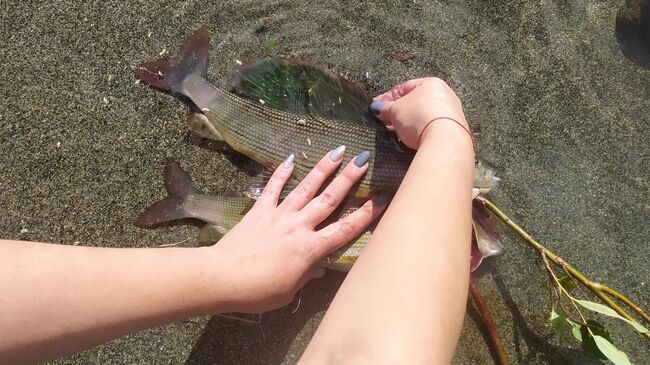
(269, 135)
(267, 118)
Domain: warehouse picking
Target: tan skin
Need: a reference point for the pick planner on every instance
(403, 301)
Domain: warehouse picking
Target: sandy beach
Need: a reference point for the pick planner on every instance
(558, 107)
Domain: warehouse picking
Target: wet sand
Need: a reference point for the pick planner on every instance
(558, 107)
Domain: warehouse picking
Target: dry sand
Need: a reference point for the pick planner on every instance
(559, 108)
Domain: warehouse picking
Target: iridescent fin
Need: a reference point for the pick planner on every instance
(304, 88)
(168, 74)
(179, 187)
(485, 241)
(201, 126)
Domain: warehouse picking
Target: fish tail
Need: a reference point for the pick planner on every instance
(179, 187)
(168, 74)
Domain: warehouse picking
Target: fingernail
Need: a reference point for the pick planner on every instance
(362, 159)
(381, 199)
(376, 106)
(337, 154)
(288, 162)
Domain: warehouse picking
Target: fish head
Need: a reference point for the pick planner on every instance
(485, 178)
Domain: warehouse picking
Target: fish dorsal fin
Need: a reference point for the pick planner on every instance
(302, 87)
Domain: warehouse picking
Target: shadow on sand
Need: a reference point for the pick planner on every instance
(633, 31)
(537, 348)
(269, 340)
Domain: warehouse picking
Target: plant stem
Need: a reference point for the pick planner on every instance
(495, 339)
(624, 299)
(598, 289)
(562, 289)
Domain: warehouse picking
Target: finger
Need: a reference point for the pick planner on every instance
(322, 206)
(381, 109)
(310, 185)
(400, 90)
(273, 188)
(338, 234)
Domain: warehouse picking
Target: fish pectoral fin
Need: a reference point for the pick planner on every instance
(485, 240)
(484, 231)
(259, 183)
(210, 234)
(200, 125)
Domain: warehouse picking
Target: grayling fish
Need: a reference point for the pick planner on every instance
(219, 214)
(277, 107)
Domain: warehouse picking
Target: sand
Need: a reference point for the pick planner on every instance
(559, 108)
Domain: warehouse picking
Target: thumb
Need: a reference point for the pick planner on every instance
(382, 109)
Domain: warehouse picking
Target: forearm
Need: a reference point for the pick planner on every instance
(405, 297)
(65, 299)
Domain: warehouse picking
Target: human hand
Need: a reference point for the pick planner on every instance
(408, 108)
(273, 251)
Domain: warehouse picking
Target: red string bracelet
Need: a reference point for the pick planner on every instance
(448, 118)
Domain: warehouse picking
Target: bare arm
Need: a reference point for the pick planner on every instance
(64, 298)
(57, 299)
(404, 300)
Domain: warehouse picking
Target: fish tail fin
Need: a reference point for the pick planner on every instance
(168, 74)
(179, 187)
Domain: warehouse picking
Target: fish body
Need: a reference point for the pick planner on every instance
(308, 127)
(269, 135)
(274, 108)
(219, 214)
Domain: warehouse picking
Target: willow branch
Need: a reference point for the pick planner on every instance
(495, 339)
(624, 299)
(561, 289)
(598, 289)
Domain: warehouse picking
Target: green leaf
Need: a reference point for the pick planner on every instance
(602, 309)
(610, 351)
(567, 283)
(575, 330)
(559, 323)
(588, 343)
